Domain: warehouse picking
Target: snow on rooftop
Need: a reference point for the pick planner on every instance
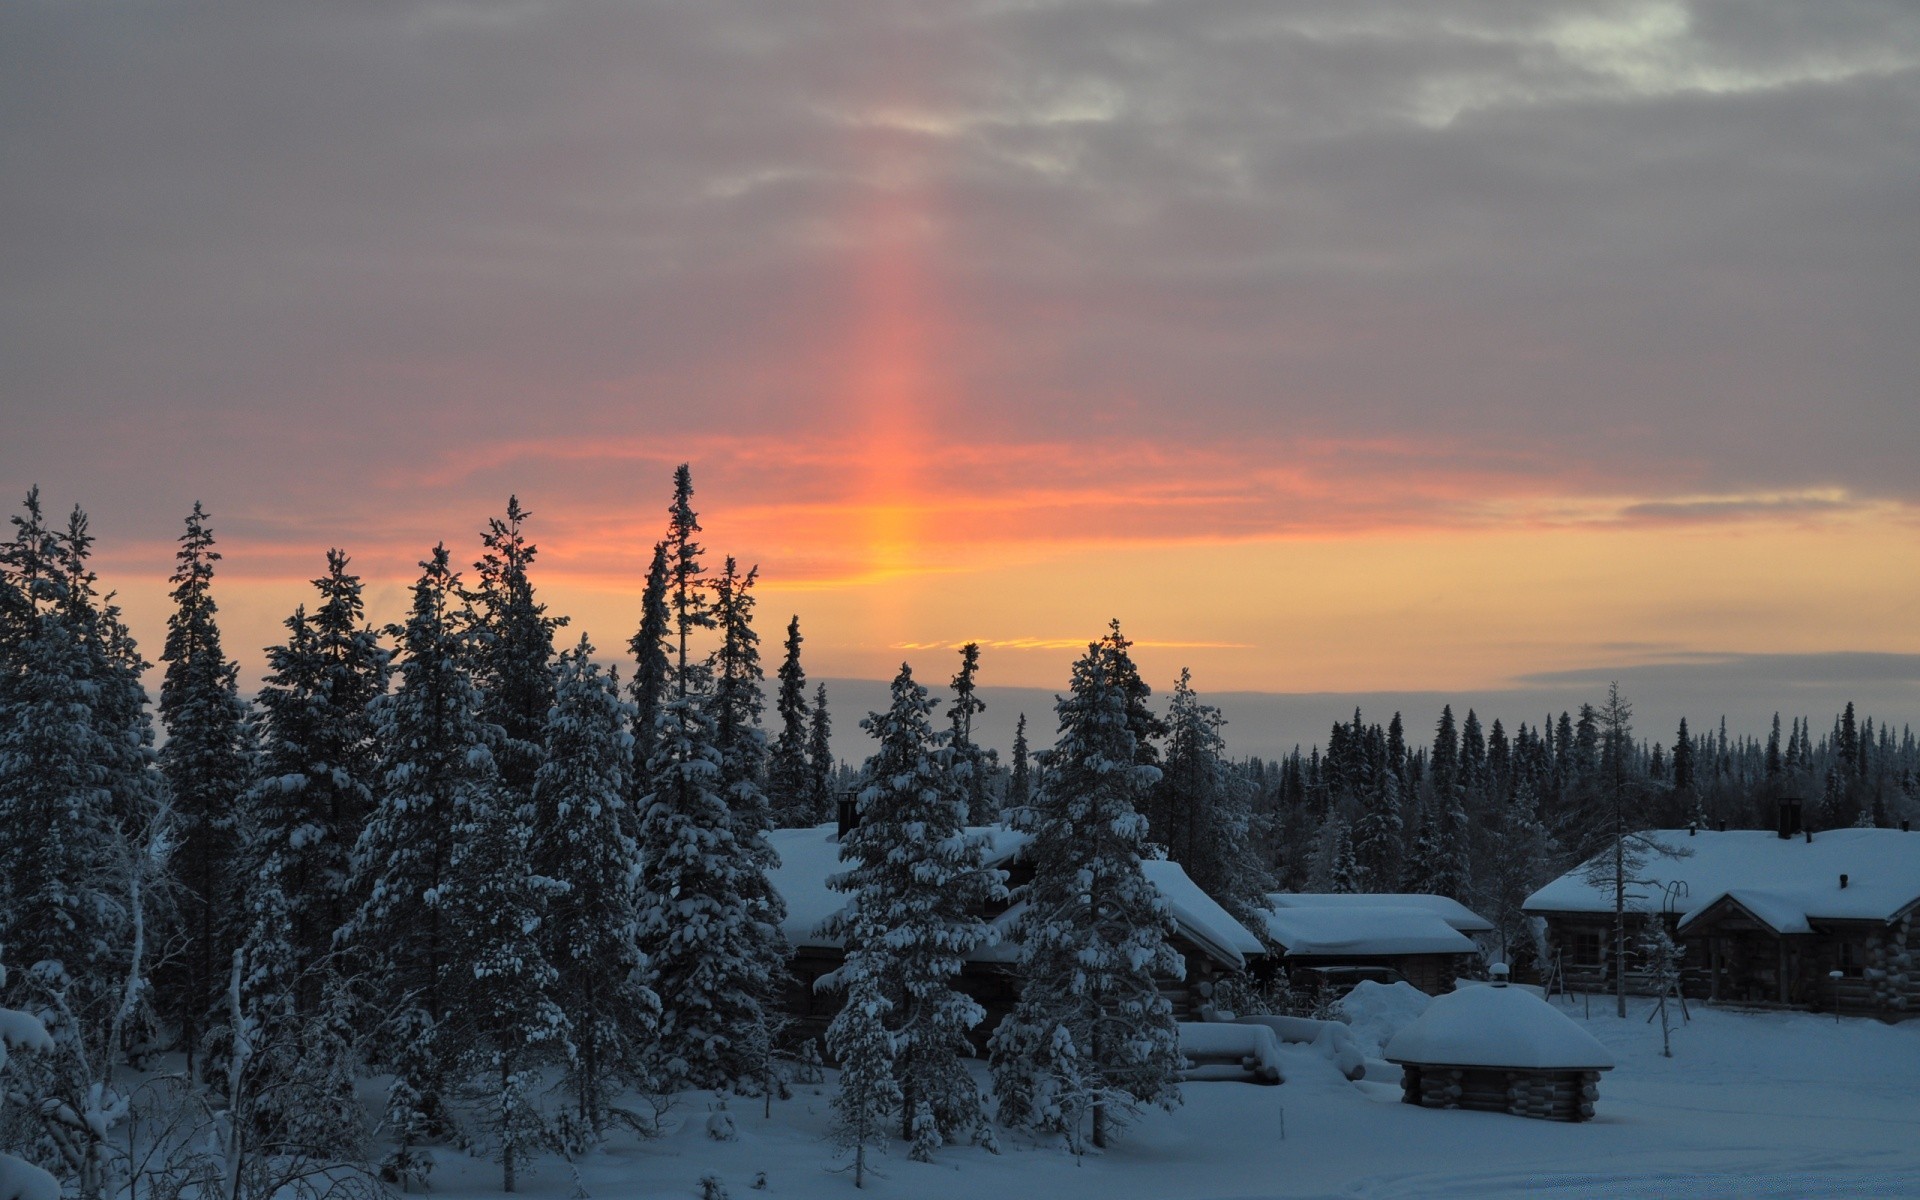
(809, 857)
(1359, 930)
(1785, 882)
(1497, 1027)
(1446, 908)
(1199, 915)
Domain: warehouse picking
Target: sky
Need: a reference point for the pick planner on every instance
(1350, 347)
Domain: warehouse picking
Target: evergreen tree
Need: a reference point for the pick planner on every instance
(1020, 784)
(1091, 1036)
(706, 925)
(971, 764)
(512, 649)
(860, 1039)
(315, 785)
(437, 774)
(1773, 749)
(1683, 758)
(653, 667)
(820, 759)
(736, 705)
(1202, 810)
(497, 982)
(583, 845)
(917, 883)
(1378, 833)
(206, 764)
(790, 775)
(1473, 753)
(1345, 875)
(58, 812)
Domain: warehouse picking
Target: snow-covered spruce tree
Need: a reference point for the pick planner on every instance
(318, 767)
(1379, 831)
(972, 765)
(497, 985)
(57, 816)
(789, 775)
(917, 883)
(1091, 1035)
(652, 667)
(860, 1040)
(583, 843)
(512, 649)
(820, 801)
(20, 1179)
(437, 770)
(1202, 811)
(206, 762)
(1345, 876)
(702, 929)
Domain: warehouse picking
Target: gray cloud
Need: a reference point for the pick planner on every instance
(1668, 245)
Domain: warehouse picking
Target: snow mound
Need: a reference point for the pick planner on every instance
(1377, 1011)
(1253, 1047)
(1497, 1027)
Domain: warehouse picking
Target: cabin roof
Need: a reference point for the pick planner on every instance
(1784, 882)
(1454, 913)
(1497, 1027)
(1363, 931)
(809, 857)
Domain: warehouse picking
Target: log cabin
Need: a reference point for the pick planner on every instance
(1784, 918)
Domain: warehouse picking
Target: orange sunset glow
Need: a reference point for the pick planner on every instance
(990, 326)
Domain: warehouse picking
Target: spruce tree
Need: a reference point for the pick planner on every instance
(58, 813)
(512, 648)
(653, 666)
(1345, 875)
(1020, 782)
(971, 764)
(820, 801)
(206, 763)
(437, 772)
(584, 846)
(1203, 809)
(859, 1038)
(1091, 1036)
(501, 1022)
(917, 882)
(1378, 833)
(705, 924)
(789, 774)
(318, 767)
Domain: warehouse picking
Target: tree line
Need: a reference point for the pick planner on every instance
(462, 852)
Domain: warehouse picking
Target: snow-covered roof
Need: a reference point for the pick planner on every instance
(1446, 908)
(1200, 916)
(1497, 1027)
(809, 857)
(1785, 882)
(1364, 930)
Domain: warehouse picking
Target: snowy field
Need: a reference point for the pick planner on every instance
(1751, 1105)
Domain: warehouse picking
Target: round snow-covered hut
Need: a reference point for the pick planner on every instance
(1499, 1049)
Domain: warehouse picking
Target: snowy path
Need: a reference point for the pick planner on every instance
(1752, 1105)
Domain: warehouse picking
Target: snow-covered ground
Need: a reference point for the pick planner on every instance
(1774, 1104)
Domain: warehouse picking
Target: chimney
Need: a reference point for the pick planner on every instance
(849, 814)
(1843, 881)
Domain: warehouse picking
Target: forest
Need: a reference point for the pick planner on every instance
(522, 883)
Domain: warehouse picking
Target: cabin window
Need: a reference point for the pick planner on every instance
(1850, 960)
(1586, 949)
